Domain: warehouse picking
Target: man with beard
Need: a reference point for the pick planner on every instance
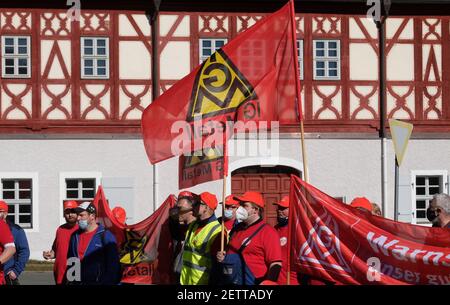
(61, 242)
(438, 213)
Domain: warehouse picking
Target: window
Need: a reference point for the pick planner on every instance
(300, 56)
(326, 59)
(94, 57)
(209, 46)
(16, 58)
(78, 186)
(17, 193)
(80, 189)
(425, 186)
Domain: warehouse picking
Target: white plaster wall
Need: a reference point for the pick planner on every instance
(112, 158)
(338, 167)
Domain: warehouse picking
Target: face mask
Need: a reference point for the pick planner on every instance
(83, 224)
(431, 216)
(241, 214)
(228, 214)
(282, 221)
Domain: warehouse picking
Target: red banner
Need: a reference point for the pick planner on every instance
(251, 79)
(146, 247)
(335, 242)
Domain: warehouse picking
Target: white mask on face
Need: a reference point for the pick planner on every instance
(241, 214)
(228, 214)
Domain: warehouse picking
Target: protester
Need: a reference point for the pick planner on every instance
(201, 242)
(438, 212)
(253, 253)
(60, 245)
(182, 216)
(362, 203)
(7, 246)
(120, 214)
(96, 249)
(229, 216)
(376, 210)
(282, 229)
(16, 265)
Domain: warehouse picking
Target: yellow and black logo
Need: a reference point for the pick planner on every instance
(133, 249)
(219, 88)
(204, 156)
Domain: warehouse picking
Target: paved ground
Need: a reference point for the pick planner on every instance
(37, 278)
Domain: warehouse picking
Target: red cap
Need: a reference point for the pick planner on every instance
(120, 214)
(209, 199)
(3, 206)
(284, 202)
(186, 194)
(361, 202)
(230, 201)
(70, 204)
(254, 197)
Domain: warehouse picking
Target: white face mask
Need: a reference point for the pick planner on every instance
(228, 214)
(241, 214)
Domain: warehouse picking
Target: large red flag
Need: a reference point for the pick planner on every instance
(252, 78)
(335, 242)
(146, 247)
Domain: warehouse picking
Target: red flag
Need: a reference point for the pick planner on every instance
(335, 242)
(146, 247)
(252, 78)
(201, 167)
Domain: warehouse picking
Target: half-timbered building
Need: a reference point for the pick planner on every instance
(72, 93)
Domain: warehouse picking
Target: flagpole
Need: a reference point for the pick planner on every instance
(222, 243)
(302, 131)
(297, 89)
(224, 189)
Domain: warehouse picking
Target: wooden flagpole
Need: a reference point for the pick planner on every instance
(302, 131)
(297, 89)
(224, 189)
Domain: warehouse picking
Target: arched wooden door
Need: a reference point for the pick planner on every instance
(272, 182)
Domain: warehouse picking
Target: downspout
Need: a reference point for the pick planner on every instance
(155, 83)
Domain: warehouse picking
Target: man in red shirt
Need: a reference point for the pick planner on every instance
(254, 246)
(61, 242)
(282, 229)
(7, 247)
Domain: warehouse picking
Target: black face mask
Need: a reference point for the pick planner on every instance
(282, 221)
(431, 215)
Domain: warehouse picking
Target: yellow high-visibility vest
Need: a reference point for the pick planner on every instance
(197, 253)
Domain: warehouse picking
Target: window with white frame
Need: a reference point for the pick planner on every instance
(425, 187)
(326, 59)
(300, 56)
(16, 57)
(94, 57)
(82, 189)
(17, 193)
(209, 46)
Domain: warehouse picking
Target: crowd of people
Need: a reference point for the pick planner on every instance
(250, 252)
